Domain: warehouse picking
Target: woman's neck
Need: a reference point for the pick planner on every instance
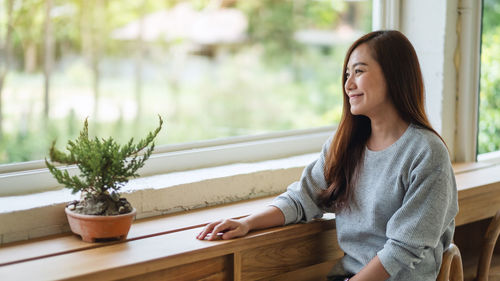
(385, 132)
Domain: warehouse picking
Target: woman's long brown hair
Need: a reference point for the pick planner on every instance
(401, 70)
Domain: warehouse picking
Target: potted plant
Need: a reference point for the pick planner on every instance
(104, 167)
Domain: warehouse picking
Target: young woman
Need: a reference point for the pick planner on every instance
(386, 173)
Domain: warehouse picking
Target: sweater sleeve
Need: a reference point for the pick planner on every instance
(299, 202)
(428, 209)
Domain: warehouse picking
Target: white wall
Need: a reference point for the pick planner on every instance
(431, 27)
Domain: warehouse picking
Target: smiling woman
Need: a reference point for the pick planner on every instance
(385, 173)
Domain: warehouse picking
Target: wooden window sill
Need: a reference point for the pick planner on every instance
(166, 246)
(478, 191)
(143, 228)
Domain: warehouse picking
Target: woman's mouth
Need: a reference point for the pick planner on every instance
(353, 97)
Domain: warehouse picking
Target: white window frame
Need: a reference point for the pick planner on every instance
(33, 176)
(475, 25)
(467, 108)
(468, 85)
(29, 177)
(386, 14)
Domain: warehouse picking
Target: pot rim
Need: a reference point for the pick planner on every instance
(99, 217)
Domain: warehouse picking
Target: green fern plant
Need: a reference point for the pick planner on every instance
(105, 166)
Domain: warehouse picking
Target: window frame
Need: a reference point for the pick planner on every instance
(494, 156)
(468, 85)
(33, 176)
(467, 108)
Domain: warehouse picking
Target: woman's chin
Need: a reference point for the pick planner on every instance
(356, 111)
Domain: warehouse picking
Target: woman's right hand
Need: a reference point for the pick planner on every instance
(231, 228)
(225, 229)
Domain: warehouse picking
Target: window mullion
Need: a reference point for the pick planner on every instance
(386, 14)
(468, 64)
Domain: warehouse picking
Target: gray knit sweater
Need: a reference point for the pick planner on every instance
(403, 210)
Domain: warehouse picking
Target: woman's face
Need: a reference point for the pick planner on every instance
(365, 85)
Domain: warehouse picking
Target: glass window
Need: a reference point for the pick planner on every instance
(489, 109)
(211, 68)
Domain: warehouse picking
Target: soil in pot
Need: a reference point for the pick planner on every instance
(101, 205)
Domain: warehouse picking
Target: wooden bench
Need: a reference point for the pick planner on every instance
(165, 248)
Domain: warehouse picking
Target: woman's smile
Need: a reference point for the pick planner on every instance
(355, 97)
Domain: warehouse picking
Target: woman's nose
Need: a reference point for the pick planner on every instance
(349, 84)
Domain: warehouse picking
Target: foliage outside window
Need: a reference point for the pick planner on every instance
(489, 109)
(212, 68)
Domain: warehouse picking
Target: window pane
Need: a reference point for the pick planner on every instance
(212, 69)
(489, 110)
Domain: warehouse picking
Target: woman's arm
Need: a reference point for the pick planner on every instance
(373, 271)
(424, 223)
(269, 217)
(298, 203)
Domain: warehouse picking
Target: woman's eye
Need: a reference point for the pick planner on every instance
(358, 71)
(346, 75)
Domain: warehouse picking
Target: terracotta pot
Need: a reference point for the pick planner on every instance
(91, 227)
